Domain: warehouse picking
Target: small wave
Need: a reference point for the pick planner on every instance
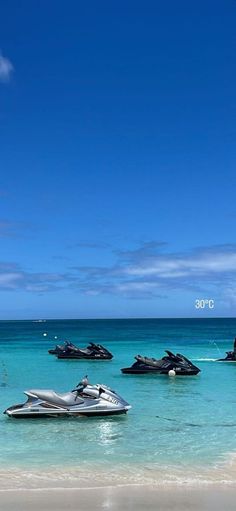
(223, 473)
(205, 359)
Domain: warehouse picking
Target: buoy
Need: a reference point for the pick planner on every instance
(171, 372)
(45, 333)
(55, 336)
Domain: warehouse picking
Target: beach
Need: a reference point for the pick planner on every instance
(174, 450)
(90, 491)
(125, 498)
(118, 258)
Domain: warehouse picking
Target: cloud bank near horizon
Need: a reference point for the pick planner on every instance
(150, 271)
(13, 278)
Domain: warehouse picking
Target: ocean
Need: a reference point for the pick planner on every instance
(179, 429)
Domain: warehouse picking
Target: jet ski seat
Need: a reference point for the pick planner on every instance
(149, 361)
(65, 399)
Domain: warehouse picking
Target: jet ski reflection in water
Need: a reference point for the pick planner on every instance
(92, 351)
(85, 399)
(179, 364)
(230, 355)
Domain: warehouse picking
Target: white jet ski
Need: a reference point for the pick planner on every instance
(85, 399)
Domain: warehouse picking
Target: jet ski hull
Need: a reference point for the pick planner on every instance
(19, 412)
(130, 370)
(83, 356)
(226, 360)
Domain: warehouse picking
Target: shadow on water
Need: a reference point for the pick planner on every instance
(191, 424)
(4, 375)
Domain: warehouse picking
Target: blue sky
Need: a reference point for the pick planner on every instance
(117, 157)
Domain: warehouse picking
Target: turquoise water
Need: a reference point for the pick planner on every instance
(174, 422)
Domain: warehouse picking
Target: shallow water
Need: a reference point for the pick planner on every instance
(177, 423)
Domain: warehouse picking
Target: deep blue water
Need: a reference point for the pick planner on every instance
(180, 422)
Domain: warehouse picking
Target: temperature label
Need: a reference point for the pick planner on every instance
(202, 304)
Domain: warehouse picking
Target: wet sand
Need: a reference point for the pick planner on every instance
(122, 498)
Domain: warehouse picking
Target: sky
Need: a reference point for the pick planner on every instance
(117, 158)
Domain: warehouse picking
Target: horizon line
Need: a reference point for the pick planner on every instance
(42, 320)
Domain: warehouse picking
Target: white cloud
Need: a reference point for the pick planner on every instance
(13, 278)
(150, 272)
(175, 266)
(146, 274)
(10, 280)
(6, 69)
(137, 286)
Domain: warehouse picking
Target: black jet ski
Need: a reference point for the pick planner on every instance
(85, 399)
(230, 355)
(179, 364)
(92, 352)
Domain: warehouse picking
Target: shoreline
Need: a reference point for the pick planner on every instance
(97, 476)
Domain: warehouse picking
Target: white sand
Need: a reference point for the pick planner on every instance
(123, 498)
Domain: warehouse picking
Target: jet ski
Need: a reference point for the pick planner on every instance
(177, 363)
(92, 351)
(85, 400)
(230, 355)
